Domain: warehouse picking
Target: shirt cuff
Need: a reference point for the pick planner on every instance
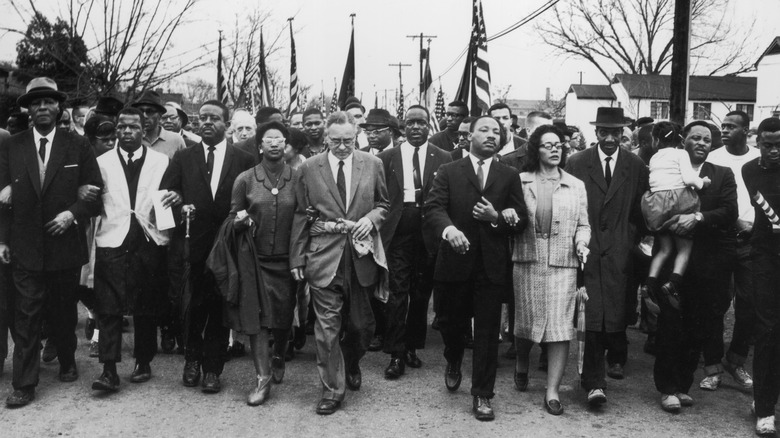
(447, 230)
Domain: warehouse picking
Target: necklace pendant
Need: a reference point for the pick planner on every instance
(274, 191)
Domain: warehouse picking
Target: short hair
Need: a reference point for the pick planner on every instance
(264, 113)
(312, 111)
(22, 118)
(297, 139)
(419, 107)
(477, 119)
(771, 124)
(267, 126)
(532, 162)
(214, 102)
(742, 115)
(687, 129)
(340, 118)
(459, 104)
(133, 111)
(468, 120)
(498, 106)
(538, 114)
(355, 105)
(667, 134)
(98, 125)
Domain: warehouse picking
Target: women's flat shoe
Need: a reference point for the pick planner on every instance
(260, 393)
(554, 407)
(521, 381)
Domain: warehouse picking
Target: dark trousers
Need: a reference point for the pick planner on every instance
(6, 309)
(378, 309)
(411, 281)
(33, 289)
(456, 304)
(766, 360)
(207, 337)
(171, 320)
(110, 338)
(596, 345)
(341, 307)
(744, 307)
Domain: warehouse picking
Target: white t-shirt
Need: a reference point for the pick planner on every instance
(722, 157)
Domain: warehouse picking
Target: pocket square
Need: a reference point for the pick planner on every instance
(71, 165)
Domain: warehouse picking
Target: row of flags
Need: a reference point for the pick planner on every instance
(473, 89)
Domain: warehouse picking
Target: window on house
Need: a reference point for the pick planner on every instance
(747, 108)
(659, 110)
(702, 111)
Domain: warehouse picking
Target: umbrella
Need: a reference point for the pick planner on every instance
(579, 316)
(186, 286)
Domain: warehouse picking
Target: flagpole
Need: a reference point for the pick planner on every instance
(293, 106)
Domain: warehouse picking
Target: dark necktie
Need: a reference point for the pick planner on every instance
(42, 149)
(129, 159)
(210, 161)
(416, 176)
(480, 175)
(341, 183)
(607, 171)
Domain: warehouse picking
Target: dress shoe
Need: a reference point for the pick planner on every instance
(685, 399)
(299, 337)
(354, 378)
(482, 409)
(89, 328)
(452, 376)
(49, 351)
(68, 373)
(260, 393)
(94, 349)
(615, 371)
(108, 381)
(377, 342)
(554, 407)
(141, 373)
(671, 295)
(327, 407)
(521, 381)
(211, 384)
(191, 374)
(395, 369)
(277, 368)
(412, 359)
(670, 403)
(20, 397)
(167, 342)
(597, 397)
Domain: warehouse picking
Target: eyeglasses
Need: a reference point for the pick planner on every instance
(166, 118)
(550, 146)
(348, 142)
(375, 131)
(273, 141)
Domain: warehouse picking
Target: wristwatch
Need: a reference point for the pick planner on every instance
(698, 216)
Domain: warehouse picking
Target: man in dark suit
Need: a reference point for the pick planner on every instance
(448, 138)
(348, 186)
(201, 178)
(45, 168)
(380, 129)
(684, 334)
(615, 181)
(502, 113)
(463, 140)
(464, 208)
(409, 173)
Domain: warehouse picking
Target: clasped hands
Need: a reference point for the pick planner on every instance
(482, 211)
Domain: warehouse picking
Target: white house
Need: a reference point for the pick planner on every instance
(582, 101)
(768, 88)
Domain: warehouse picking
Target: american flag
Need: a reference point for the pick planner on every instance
(262, 79)
(221, 87)
(474, 86)
(439, 110)
(304, 99)
(400, 110)
(293, 76)
(334, 102)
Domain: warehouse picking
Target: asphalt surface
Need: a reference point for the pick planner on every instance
(416, 405)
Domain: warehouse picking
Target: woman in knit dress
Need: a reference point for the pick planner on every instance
(546, 257)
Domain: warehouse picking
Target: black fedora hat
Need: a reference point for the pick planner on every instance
(151, 98)
(609, 117)
(380, 117)
(109, 106)
(40, 87)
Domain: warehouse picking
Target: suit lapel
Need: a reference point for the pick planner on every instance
(492, 173)
(398, 168)
(430, 162)
(31, 161)
(226, 163)
(357, 173)
(59, 150)
(200, 161)
(119, 172)
(468, 170)
(330, 181)
(595, 171)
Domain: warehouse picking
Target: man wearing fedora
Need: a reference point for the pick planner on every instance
(380, 127)
(175, 119)
(39, 236)
(615, 181)
(108, 106)
(155, 137)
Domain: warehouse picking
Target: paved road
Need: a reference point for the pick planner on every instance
(416, 405)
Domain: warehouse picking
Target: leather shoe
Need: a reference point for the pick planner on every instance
(377, 342)
(259, 394)
(94, 349)
(49, 351)
(521, 381)
(89, 328)
(482, 409)
(141, 373)
(108, 381)
(299, 337)
(211, 384)
(277, 368)
(20, 397)
(452, 376)
(615, 371)
(412, 360)
(395, 369)
(167, 342)
(354, 378)
(327, 407)
(554, 407)
(191, 375)
(69, 373)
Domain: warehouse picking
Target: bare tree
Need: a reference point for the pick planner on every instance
(198, 90)
(635, 36)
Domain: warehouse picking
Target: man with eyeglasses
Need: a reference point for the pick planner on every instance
(175, 119)
(346, 190)
(615, 181)
(201, 178)
(379, 127)
(464, 144)
(448, 138)
(314, 129)
(155, 137)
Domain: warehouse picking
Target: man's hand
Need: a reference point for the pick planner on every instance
(241, 223)
(5, 195)
(5, 254)
(171, 199)
(458, 241)
(510, 216)
(60, 224)
(187, 209)
(88, 193)
(685, 225)
(362, 228)
(484, 211)
(297, 274)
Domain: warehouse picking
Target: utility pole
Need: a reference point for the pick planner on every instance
(681, 48)
(423, 56)
(580, 77)
(400, 78)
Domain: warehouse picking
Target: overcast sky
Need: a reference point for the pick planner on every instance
(519, 59)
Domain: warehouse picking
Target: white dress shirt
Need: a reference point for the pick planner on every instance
(407, 157)
(219, 159)
(602, 159)
(137, 154)
(50, 137)
(334, 167)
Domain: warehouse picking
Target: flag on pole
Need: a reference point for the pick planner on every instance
(221, 87)
(474, 88)
(348, 80)
(400, 109)
(439, 110)
(293, 76)
(262, 79)
(427, 79)
(304, 99)
(334, 102)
